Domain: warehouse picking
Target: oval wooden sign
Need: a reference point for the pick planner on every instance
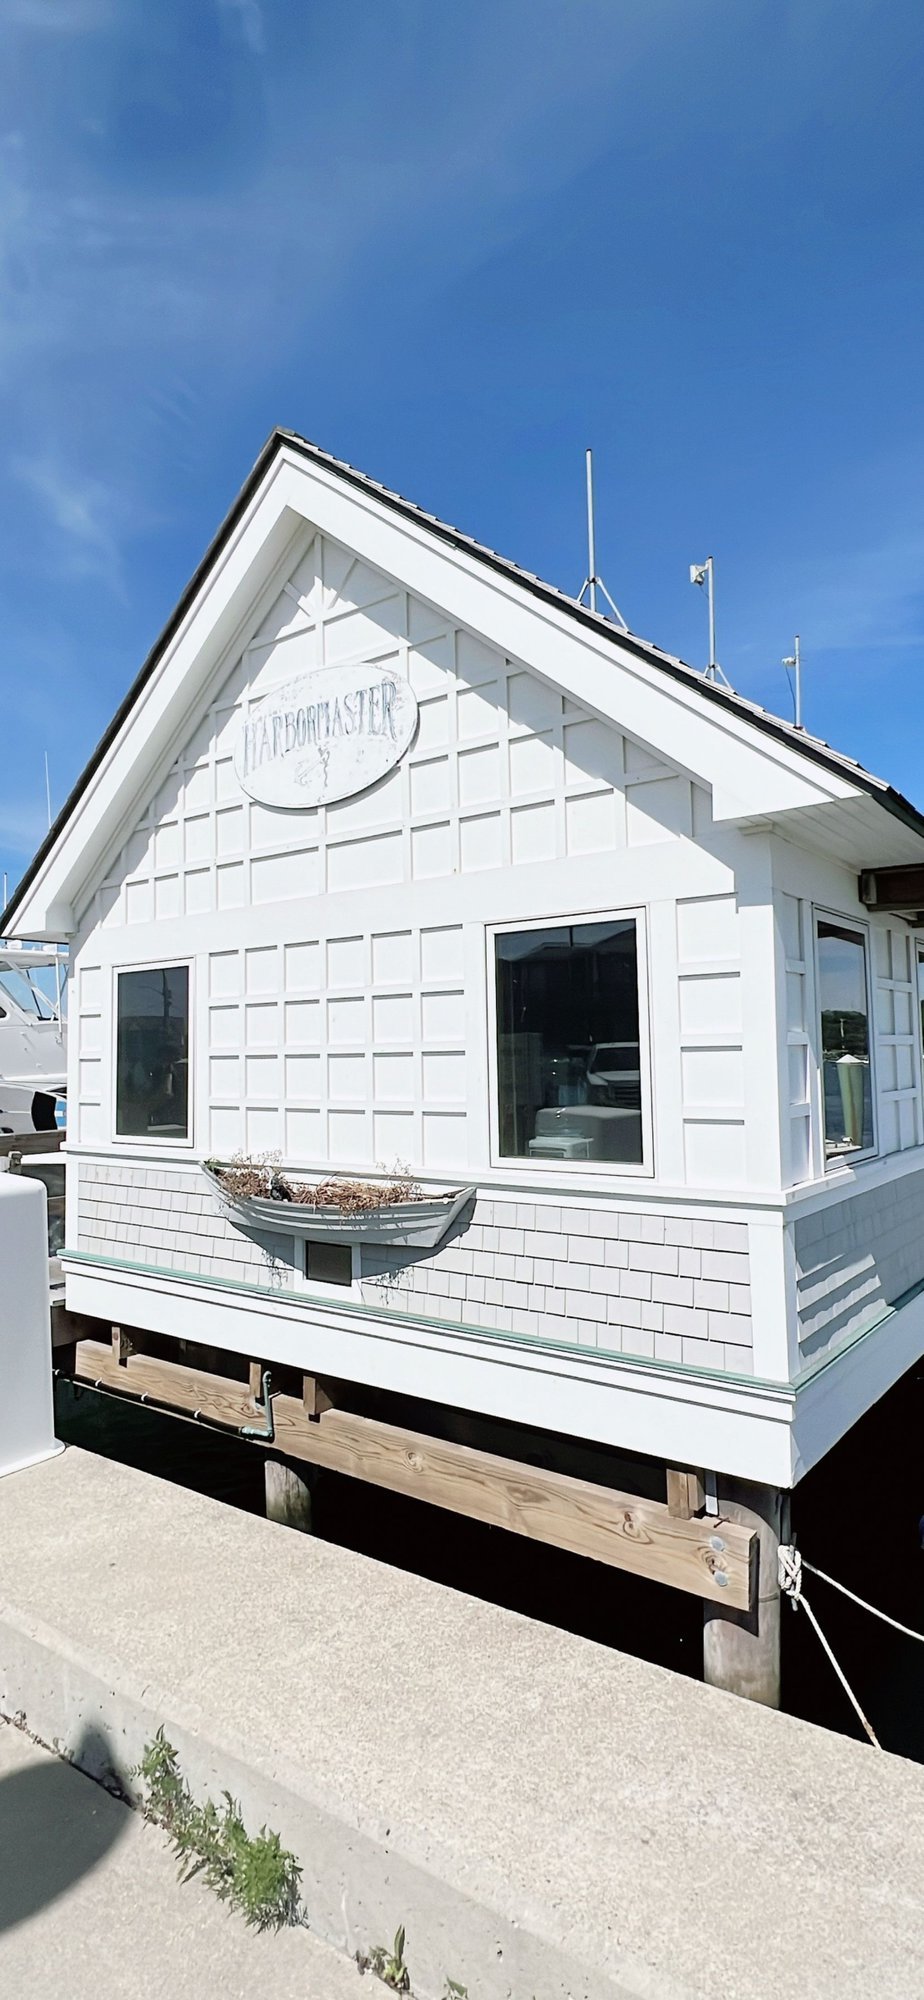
(325, 735)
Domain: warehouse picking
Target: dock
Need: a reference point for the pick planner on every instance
(545, 1816)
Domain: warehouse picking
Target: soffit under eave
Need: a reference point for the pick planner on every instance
(858, 833)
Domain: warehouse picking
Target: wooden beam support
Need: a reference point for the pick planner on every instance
(712, 1558)
(686, 1494)
(122, 1346)
(315, 1399)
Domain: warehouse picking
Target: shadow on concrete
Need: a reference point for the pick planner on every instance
(55, 1826)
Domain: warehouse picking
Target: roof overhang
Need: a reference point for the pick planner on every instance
(755, 772)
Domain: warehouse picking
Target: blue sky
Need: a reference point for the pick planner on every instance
(455, 243)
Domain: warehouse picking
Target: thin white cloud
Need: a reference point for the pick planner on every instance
(126, 286)
(80, 512)
(869, 598)
(248, 20)
(56, 17)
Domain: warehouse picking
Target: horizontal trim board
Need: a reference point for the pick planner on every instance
(710, 1557)
(673, 1199)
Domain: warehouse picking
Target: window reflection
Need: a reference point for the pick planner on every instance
(568, 1061)
(844, 1005)
(152, 1063)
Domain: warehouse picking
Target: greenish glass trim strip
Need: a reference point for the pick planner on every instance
(499, 1334)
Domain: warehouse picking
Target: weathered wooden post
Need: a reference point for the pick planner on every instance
(741, 1649)
(289, 1494)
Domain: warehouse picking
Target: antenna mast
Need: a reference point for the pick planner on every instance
(592, 582)
(704, 573)
(794, 660)
(57, 961)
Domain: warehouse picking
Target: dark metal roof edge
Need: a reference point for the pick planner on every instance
(679, 670)
(734, 704)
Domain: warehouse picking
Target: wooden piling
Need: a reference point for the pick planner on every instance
(288, 1495)
(741, 1649)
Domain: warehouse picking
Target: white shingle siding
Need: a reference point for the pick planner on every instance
(630, 1298)
(855, 1257)
(163, 1219)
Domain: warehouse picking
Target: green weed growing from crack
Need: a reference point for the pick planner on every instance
(389, 1965)
(252, 1872)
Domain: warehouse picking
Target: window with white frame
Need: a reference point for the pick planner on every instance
(569, 1070)
(843, 1003)
(152, 1053)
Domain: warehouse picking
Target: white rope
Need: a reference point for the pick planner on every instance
(845, 1684)
(842, 1587)
(790, 1567)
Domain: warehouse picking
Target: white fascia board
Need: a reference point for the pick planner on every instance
(750, 775)
(736, 1427)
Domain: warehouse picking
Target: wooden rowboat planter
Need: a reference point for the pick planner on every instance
(417, 1224)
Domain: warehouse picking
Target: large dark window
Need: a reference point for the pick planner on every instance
(844, 1007)
(152, 1060)
(568, 1058)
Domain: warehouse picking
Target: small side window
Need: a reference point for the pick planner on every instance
(843, 998)
(152, 1053)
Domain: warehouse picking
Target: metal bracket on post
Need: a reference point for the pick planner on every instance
(265, 1410)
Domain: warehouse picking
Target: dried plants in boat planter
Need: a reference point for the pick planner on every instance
(396, 1209)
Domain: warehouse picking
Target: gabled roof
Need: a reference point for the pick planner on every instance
(811, 748)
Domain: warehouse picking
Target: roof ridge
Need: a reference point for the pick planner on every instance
(801, 738)
(812, 747)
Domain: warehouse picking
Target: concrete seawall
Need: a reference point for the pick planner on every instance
(548, 1818)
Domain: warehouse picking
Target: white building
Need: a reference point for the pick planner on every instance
(552, 917)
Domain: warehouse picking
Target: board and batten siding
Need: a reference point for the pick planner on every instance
(340, 959)
(894, 1026)
(859, 1249)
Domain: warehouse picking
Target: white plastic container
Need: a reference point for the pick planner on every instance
(27, 1432)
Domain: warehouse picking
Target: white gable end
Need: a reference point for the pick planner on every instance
(748, 772)
(503, 771)
(340, 952)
